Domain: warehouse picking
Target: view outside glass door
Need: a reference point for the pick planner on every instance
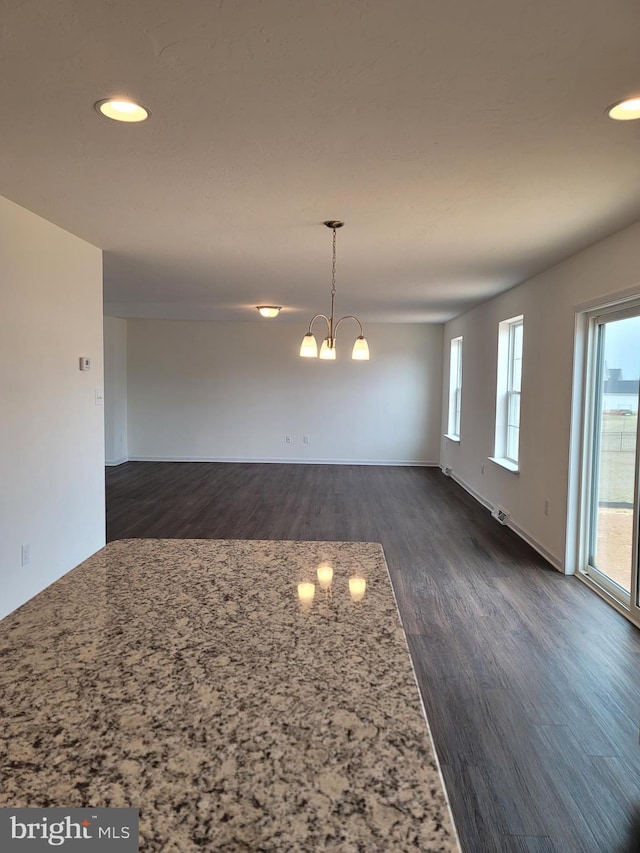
(613, 522)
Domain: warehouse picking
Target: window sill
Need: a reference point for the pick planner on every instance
(455, 438)
(507, 464)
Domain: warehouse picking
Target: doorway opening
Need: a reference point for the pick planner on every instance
(610, 459)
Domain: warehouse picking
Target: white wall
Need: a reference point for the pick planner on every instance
(51, 431)
(234, 391)
(115, 391)
(549, 303)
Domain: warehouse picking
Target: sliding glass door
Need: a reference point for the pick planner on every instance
(611, 523)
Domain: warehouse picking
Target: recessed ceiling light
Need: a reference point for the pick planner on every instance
(119, 109)
(625, 110)
(269, 310)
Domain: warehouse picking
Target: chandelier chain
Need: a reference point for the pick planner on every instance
(333, 269)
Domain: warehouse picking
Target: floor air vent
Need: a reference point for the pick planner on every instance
(500, 515)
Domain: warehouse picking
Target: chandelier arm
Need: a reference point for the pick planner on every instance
(313, 319)
(347, 317)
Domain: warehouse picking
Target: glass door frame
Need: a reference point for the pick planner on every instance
(589, 461)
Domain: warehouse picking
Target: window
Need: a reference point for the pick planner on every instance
(507, 438)
(513, 390)
(455, 388)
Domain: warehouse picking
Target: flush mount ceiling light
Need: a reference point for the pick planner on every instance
(626, 110)
(269, 310)
(309, 347)
(120, 109)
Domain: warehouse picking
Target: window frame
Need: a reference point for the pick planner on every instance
(455, 388)
(509, 393)
(513, 392)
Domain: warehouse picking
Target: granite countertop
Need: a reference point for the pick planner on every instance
(188, 679)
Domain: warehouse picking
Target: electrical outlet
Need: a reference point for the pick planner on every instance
(287, 439)
(482, 467)
(305, 439)
(25, 555)
(546, 507)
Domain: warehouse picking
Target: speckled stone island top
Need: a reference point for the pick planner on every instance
(200, 681)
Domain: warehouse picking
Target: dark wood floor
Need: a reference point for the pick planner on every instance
(531, 683)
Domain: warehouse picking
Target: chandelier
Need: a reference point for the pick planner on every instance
(309, 347)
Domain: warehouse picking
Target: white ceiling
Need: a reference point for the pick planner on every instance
(464, 144)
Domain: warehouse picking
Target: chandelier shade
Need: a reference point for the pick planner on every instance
(360, 350)
(309, 346)
(328, 350)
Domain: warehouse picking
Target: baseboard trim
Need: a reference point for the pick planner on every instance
(304, 461)
(111, 463)
(476, 495)
(552, 559)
